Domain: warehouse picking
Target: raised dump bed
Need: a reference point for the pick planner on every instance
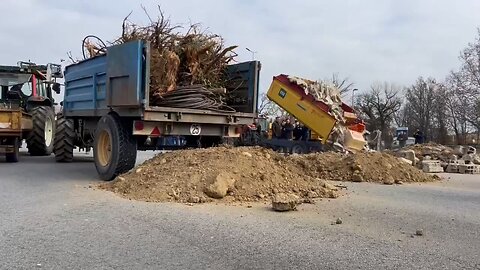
(315, 114)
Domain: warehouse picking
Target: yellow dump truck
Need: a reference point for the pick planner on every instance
(315, 114)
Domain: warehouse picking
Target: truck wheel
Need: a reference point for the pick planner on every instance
(298, 148)
(40, 139)
(13, 157)
(115, 149)
(64, 140)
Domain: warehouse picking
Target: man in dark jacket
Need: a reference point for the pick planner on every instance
(288, 130)
(418, 137)
(297, 132)
(276, 128)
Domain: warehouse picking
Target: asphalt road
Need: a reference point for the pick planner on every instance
(50, 219)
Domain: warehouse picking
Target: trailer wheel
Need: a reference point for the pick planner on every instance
(64, 140)
(115, 149)
(40, 139)
(13, 157)
(298, 148)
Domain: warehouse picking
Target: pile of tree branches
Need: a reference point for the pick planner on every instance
(179, 56)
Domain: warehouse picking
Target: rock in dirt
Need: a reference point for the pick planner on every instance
(339, 221)
(285, 202)
(247, 154)
(419, 233)
(329, 186)
(389, 181)
(357, 177)
(220, 186)
(194, 199)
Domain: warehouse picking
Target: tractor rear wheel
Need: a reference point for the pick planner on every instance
(13, 157)
(64, 140)
(40, 139)
(115, 148)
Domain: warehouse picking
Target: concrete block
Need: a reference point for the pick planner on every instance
(452, 168)
(469, 169)
(432, 167)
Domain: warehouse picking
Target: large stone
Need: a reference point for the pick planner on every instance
(282, 202)
(388, 166)
(389, 180)
(357, 167)
(357, 177)
(407, 161)
(329, 186)
(410, 155)
(220, 186)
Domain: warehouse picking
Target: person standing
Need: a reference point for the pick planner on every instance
(297, 131)
(276, 128)
(418, 137)
(288, 129)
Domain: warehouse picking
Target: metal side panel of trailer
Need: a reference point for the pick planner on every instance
(119, 81)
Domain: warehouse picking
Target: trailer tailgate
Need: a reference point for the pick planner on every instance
(181, 115)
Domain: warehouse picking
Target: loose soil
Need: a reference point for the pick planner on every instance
(360, 167)
(187, 175)
(249, 174)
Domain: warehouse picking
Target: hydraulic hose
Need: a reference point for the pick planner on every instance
(193, 97)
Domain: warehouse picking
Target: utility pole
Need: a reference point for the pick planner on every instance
(353, 97)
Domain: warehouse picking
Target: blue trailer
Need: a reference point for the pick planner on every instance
(106, 107)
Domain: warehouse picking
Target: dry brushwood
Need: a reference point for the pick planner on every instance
(179, 59)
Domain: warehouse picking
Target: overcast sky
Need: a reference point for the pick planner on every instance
(367, 41)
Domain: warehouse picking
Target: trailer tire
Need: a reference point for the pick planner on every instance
(298, 148)
(64, 140)
(13, 157)
(115, 148)
(40, 139)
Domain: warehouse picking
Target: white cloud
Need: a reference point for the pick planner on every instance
(367, 41)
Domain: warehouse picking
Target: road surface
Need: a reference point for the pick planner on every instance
(51, 219)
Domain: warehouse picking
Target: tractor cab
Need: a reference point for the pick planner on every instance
(29, 85)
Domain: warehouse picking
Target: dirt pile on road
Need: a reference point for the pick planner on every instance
(435, 151)
(360, 167)
(241, 174)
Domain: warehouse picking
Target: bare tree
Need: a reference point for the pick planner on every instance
(379, 106)
(464, 86)
(420, 99)
(440, 110)
(343, 84)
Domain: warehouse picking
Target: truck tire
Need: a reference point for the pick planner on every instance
(13, 157)
(64, 140)
(115, 149)
(298, 148)
(40, 139)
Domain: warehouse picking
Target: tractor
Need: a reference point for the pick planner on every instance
(27, 108)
